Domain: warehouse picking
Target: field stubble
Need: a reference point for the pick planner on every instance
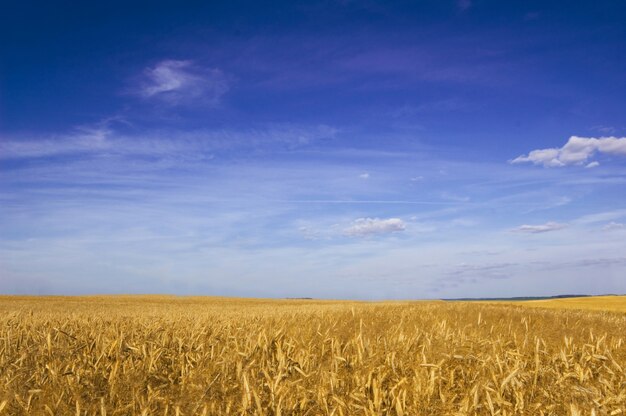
(194, 356)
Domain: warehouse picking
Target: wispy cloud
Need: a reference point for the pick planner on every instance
(601, 217)
(102, 139)
(602, 262)
(614, 226)
(177, 82)
(577, 151)
(540, 228)
(464, 5)
(369, 226)
(604, 129)
(481, 271)
(446, 105)
(80, 140)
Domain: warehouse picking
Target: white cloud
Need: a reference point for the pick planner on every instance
(369, 226)
(540, 228)
(179, 82)
(577, 151)
(364, 175)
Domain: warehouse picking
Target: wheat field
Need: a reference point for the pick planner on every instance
(598, 303)
(159, 355)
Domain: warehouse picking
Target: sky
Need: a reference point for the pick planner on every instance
(331, 149)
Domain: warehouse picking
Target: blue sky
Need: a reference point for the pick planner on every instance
(336, 149)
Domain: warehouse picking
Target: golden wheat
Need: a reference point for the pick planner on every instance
(206, 356)
(598, 303)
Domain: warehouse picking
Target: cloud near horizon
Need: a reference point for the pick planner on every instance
(369, 226)
(577, 151)
(177, 82)
(540, 228)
